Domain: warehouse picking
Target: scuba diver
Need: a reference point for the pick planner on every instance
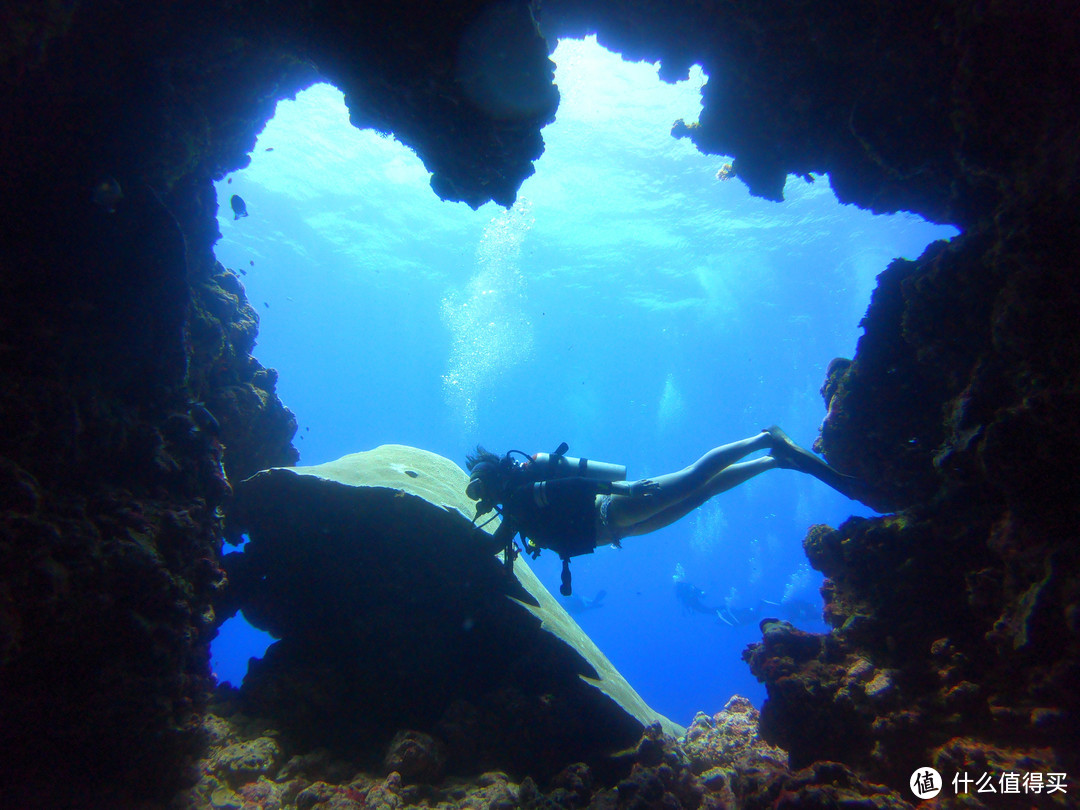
(796, 612)
(691, 596)
(571, 506)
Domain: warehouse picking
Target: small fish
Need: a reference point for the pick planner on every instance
(266, 305)
(107, 195)
(269, 149)
(202, 417)
(252, 262)
(243, 272)
(239, 207)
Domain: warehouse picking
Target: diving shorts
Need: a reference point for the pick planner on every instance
(605, 532)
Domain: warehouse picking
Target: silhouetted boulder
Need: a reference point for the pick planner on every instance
(394, 611)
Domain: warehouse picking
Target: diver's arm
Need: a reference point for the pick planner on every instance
(644, 488)
(555, 487)
(506, 531)
(593, 486)
(502, 536)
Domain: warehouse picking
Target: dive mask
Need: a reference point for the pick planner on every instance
(482, 473)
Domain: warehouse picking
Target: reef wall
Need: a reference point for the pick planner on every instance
(957, 618)
(130, 397)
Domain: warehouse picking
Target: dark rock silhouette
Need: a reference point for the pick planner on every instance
(391, 607)
(115, 320)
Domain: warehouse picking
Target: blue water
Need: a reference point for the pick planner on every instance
(630, 304)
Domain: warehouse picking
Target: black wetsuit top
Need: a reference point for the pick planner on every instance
(559, 514)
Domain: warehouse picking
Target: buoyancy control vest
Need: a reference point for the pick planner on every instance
(549, 466)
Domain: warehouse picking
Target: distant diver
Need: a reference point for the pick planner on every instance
(796, 611)
(239, 207)
(576, 605)
(736, 615)
(691, 596)
(573, 505)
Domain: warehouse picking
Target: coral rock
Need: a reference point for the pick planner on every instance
(730, 739)
(382, 537)
(416, 756)
(242, 761)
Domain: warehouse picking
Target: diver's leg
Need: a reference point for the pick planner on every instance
(680, 484)
(688, 482)
(724, 480)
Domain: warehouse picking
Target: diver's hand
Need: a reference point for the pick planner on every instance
(644, 488)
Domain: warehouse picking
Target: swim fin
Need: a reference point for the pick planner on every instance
(792, 457)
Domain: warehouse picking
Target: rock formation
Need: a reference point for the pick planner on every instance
(131, 403)
(392, 608)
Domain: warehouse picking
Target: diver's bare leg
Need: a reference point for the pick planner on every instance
(724, 480)
(693, 481)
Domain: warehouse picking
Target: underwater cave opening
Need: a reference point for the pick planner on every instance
(635, 302)
(237, 641)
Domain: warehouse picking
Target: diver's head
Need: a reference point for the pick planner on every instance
(485, 477)
(483, 481)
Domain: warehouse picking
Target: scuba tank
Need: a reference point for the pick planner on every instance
(545, 466)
